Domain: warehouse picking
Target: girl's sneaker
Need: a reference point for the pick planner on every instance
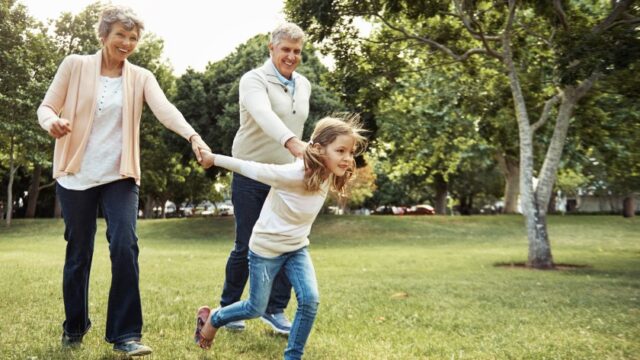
(202, 316)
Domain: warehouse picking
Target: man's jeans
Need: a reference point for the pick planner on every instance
(299, 270)
(248, 196)
(119, 203)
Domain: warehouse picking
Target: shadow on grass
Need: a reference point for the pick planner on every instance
(583, 270)
(556, 266)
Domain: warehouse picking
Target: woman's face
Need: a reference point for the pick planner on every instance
(120, 42)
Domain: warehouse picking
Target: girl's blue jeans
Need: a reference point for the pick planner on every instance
(299, 269)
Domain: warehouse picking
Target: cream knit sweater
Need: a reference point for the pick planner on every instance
(289, 211)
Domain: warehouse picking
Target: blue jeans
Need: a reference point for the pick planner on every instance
(299, 270)
(248, 196)
(119, 203)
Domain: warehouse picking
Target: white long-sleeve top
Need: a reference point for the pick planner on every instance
(101, 160)
(289, 211)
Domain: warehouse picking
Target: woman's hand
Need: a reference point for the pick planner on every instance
(197, 144)
(59, 128)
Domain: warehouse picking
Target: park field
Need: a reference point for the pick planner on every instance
(391, 288)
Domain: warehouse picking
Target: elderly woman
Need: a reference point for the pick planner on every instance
(93, 108)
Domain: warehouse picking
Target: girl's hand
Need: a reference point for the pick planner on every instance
(60, 128)
(208, 159)
(198, 145)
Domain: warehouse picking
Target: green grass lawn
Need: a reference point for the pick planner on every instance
(391, 288)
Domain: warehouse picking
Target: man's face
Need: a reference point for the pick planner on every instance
(286, 56)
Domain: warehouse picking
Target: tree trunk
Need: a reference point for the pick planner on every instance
(466, 204)
(34, 191)
(148, 207)
(441, 195)
(551, 208)
(12, 172)
(511, 171)
(549, 170)
(629, 206)
(539, 250)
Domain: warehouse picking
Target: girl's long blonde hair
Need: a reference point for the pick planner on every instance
(325, 132)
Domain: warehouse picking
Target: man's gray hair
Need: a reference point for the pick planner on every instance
(112, 14)
(287, 31)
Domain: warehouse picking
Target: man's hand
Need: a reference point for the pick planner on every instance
(59, 128)
(197, 144)
(295, 147)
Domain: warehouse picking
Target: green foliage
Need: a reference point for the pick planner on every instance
(607, 147)
(27, 62)
(76, 34)
(554, 44)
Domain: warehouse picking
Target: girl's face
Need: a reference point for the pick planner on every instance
(338, 155)
(120, 42)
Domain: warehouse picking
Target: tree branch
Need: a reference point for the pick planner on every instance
(586, 85)
(47, 185)
(528, 30)
(508, 25)
(545, 112)
(620, 7)
(478, 35)
(557, 6)
(431, 42)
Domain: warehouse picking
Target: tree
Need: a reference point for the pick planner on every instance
(606, 149)
(26, 64)
(575, 45)
(72, 34)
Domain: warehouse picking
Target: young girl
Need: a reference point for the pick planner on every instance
(279, 238)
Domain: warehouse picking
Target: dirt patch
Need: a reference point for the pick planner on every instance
(556, 267)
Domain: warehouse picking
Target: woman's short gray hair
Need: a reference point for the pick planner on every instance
(288, 31)
(112, 14)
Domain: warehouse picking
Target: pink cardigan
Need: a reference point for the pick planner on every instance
(72, 95)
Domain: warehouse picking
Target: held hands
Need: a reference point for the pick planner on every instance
(198, 146)
(59, 128)
(295, 146)
(208, 159)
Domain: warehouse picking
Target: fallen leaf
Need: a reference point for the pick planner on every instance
(400, 295)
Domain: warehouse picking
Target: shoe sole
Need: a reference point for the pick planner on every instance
(275, 328)
(141, 352)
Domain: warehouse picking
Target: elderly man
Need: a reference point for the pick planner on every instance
(274, 104)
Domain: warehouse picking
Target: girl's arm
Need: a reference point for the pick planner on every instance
(269, 174)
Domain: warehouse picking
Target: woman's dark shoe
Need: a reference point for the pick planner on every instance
(71, 341)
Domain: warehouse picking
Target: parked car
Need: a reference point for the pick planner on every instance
(390, 210)
(421, 209)
(225, 208)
